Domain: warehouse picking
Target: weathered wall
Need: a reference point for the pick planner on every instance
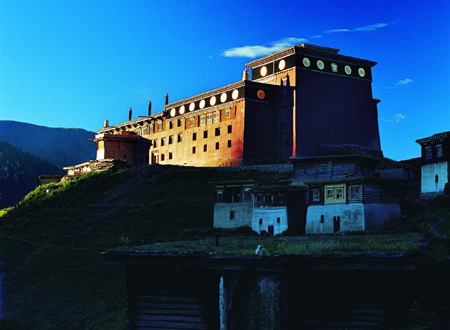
(429, 172)
(354, 216)
(242, 215)
(377, 214)
(269, 216)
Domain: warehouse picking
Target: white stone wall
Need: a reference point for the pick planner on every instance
(242, 215)
(100, 153)
(429, 172)
(269, 217)
(354, 216)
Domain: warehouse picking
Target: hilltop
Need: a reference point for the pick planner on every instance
(53, 239)
(55, 145)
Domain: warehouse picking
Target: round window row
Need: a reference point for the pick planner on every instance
(334, 67)
(281, 66)
(202, 104)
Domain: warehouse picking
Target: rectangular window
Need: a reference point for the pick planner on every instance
(205, 147)
(155, 143)
(230, 129)
(216, 117)
(428, 152)
(227, 113)
(193, 150)
(163, 157)
(170, 155)
(335, 194)
(180, 122)
(205, 134)
(191, 121)
(171, 124)
(145, 131)
(232, 215)
(170, 139)
(151, 128)
(217, 145)
(316, 195)
(354, 192)
(202, 120)
(229, 143)
(180, 137)
(163, 142)
(217, 131)
(194, 136)
(159, 125)
(209, 118)
(439, 150)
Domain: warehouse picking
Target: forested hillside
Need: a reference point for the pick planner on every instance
(19, 171)
(59, 146)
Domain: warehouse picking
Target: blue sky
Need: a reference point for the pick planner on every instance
(76, 63)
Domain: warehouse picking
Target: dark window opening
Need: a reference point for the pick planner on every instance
(163, 157)
(170, 124)
(217, 145)
(193, 150)
(229, 143)
(170, 155)
(232, 215)
(322, 219)
(217, 131)
(205, 148)
(233, 195)
(194, 136)
(180, 122)
(180, 137)
(278, 220)
(171, 139)
(436, 178)
(205, 134)
(260, 221)
(336, 224)
(230, 129)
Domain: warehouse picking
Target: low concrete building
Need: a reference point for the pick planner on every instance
(351, 205)
(435, 164)
(233, 206)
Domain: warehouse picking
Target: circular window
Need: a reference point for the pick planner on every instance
(173, 112)
(223, 97)
(235, 94)
(361, 72)
(192, 106)
(348, 70)
(182, 109)
(263, 71)
(212, 100)
(320, 64)
(261, 94)
(306, 62)
(202, 104)
(282, 65)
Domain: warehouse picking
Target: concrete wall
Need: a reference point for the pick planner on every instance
(242, 215)
(269, 217)
(429, 172)
(355, 216)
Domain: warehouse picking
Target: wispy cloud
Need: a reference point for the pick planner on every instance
(260, 50)
(371, 27)
(398, 117)
(403, 82)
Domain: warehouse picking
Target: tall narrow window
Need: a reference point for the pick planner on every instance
(205, 134)
(217, 145)
(230, 129)
(193, 150)
(205, 147)
(171, 124)
(439, 150)
(227, 113)
(180, 122)
(202, 120)
(428, 152)
(194, 136)
(217, 131)
(170, 139)
(191, 121)
(436, 178)
(232, 215)
(170, 155)
(180, 137)
(229, 143)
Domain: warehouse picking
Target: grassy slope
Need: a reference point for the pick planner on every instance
(63, 282)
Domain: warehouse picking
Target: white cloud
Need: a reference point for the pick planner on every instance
(403, 82)
(371, 27)
(398, 117)
(259, 50)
